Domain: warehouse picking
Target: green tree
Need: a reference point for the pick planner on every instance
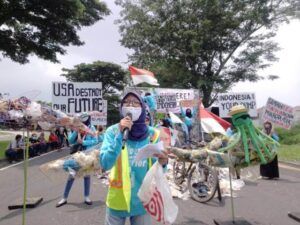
(113, 79)
(43, 28)
(204, 44)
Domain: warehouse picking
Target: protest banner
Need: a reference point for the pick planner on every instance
(228, 100)
(278, 113)
(169, 99)
(99, 117)
(73, 97)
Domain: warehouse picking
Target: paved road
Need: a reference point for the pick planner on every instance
(264, 202)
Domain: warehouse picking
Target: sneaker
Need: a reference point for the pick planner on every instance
(88, 201)
(61, 202)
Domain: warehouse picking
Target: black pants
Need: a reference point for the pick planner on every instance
(13, 155)
(270, 170)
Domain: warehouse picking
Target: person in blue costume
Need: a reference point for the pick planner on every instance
(126, 175)
(188, 121)
(149, 99)
(87, 140)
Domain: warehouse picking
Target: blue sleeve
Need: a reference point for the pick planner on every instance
(72, 137)
(275, 137)
(71, 163)
(182, 112)
(92, 140)
(111, 148)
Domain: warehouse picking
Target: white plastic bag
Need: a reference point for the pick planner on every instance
(156, 196)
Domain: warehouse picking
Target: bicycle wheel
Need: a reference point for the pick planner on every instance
(202, 183)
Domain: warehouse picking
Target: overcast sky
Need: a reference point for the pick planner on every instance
(102, 43)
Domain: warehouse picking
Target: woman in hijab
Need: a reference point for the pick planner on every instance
(85, 140)
(270, 170)
(188, 123)
(118, 154)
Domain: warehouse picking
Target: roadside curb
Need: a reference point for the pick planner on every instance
(292, 164)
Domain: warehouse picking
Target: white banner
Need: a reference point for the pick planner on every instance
(167, 98)
(228, 100)
(99, 117)
(73, 97)
(279, 113)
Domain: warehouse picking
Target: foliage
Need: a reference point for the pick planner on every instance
(204, 44)
(3, 147)
(113, 79)
(43, 28)
(289, 137)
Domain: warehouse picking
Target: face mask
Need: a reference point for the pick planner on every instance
(135, 112)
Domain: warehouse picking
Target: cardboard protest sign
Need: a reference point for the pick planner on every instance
(228, 100)
(278, 113)
(77, 97)
(189, 103)
(99, 117)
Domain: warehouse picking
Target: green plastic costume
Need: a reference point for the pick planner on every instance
(247, 146)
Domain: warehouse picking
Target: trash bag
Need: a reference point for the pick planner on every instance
(156, 196)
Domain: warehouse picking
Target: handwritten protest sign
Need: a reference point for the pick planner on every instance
(189, 103)
(77, 97)
(99, 117)
(169, 99)
(278, 113)
(228, 100)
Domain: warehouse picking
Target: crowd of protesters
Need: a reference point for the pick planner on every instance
(39, 144)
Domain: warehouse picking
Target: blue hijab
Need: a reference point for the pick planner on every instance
(139, 129)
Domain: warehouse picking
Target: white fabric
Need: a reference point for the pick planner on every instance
(174, 118)
(134, 111)
(137, 79)
(209, 125)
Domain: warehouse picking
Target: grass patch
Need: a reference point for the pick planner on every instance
(290, 153)
(3, 147)
(289, 137)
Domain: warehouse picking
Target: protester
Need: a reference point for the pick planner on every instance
(127, 175)
(270, 170)
(53, 140)
(149, 99)
(15, 150)
(62, 134)
(188, 121)
(43, 144)
(85, 139)
(100, 133)
(34, 145)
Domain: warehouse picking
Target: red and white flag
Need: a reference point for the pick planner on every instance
(212, 123)
(140, 75)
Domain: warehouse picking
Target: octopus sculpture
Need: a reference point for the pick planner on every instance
(247, 146)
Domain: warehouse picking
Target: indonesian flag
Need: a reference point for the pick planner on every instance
(212, 123)
(140, 75)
